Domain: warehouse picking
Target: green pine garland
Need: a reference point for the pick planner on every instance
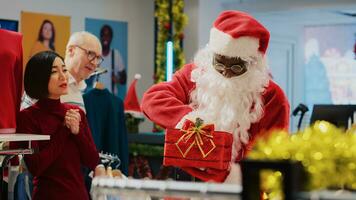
(146, 150)
(180, 20)
(163, 23)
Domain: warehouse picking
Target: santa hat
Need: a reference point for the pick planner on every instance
(237, 34)
(131, 103)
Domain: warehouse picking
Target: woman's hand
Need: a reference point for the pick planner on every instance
(72, 120)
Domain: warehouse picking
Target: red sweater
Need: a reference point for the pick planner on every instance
(56, 166)
(11, 79)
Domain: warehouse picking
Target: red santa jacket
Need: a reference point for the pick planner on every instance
(167, 102)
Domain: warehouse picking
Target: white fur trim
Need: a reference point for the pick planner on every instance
(137, 76)
(234, 176)
(223, 44)
(191, 116)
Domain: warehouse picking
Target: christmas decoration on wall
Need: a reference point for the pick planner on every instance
(170, 23)
(146, 150)
(133, 112)
(323, 150)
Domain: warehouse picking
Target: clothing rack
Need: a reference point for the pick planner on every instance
(9, 154)
(145, 189)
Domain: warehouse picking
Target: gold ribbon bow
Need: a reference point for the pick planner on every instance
(196, 134)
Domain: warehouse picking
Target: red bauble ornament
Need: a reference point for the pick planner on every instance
(167, 26)
(181, 36)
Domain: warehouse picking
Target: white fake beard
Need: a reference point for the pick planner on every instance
(231, 104)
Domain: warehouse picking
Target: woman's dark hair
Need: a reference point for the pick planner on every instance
(37, 74)
(40, 36)
(109, 29)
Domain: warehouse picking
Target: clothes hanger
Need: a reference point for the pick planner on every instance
(97, 73)
(110, 158)
(99, 85)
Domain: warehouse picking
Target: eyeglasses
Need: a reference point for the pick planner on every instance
(235, 68)
(92, 55)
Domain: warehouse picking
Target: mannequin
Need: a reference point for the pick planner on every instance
(10, 79)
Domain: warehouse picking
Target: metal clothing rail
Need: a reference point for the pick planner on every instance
(145, 189)
(10, 153)
(16, 152)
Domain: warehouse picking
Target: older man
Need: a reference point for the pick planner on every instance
(228, 85)
(83, 56)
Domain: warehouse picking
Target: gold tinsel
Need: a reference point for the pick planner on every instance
(327, 153)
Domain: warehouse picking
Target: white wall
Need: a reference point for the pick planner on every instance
(201, 14)
(191, 37)
(138, 13)
(208, 11)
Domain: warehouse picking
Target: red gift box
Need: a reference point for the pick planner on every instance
(197, 145)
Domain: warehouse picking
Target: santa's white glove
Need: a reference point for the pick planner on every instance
(235, 175)
(192, 116)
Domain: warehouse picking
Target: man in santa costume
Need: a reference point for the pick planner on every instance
(228, 85)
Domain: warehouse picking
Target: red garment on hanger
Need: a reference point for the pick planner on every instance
(10, 79)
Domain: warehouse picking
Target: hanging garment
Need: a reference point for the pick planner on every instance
(10, 79)
(106, 118)
(23, 186)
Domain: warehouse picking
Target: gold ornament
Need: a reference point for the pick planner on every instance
(327, 153)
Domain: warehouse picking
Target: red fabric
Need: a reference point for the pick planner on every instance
(218, 158)
(208, 174)
(56, 165)
(166, 103)
(11, 77)
(238, 24)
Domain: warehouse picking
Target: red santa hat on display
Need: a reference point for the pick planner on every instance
(131, 103)
(237, 34)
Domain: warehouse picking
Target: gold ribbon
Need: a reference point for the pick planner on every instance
(199, 132)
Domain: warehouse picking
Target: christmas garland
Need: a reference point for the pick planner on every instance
(180, 20)
(146, 150)
(327, 153)
(163, 34)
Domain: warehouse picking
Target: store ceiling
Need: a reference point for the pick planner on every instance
(301, 11)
